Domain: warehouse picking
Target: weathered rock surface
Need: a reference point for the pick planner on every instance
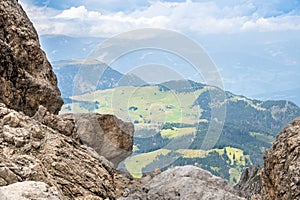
(30, 151)
(46, 155)
(185, 183)
(280, 176)
(106, 134)
(55, 122)
(249, 183)
(126, 184)
(29, 190)
(26, 76)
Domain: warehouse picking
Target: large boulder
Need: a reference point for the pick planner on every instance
(185, 183)
(280, 176)
(26, 76)
(31, 151)
(106, 134)
(29, 190)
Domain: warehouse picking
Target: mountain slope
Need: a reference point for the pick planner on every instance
(66, 72)
(172, 121)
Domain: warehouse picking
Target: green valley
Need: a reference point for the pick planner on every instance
(172, 120)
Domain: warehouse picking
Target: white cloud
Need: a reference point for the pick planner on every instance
(186, 17)
(273, 23)
(79, 13)
(41, 17)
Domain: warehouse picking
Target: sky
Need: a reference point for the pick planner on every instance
(105, 18)
(255, 44)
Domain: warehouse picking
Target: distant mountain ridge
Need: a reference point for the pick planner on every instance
(67, 70)
(240, 109)
(181, 86)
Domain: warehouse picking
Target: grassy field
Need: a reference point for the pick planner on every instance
(191, 153)
(234, 175)
(177, 132)
(142, 104)
(262, 137)
(234, 155)
(134, 164)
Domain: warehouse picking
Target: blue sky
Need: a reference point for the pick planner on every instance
(255, 43)
(104, 18)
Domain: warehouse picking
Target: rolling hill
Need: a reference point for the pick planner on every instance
(172, 120)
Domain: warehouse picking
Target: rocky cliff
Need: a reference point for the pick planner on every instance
(26, 76)
(279, 179)
(280, 176)
(44, 155)
(31, 151)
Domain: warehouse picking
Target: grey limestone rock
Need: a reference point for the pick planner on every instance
(185, 183)
(106, 134)
(29, 190)
(31, 151)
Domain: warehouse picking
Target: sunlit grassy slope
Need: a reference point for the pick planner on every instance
(141, 104)
(136, 163)
(177, 132)
(169, 115)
